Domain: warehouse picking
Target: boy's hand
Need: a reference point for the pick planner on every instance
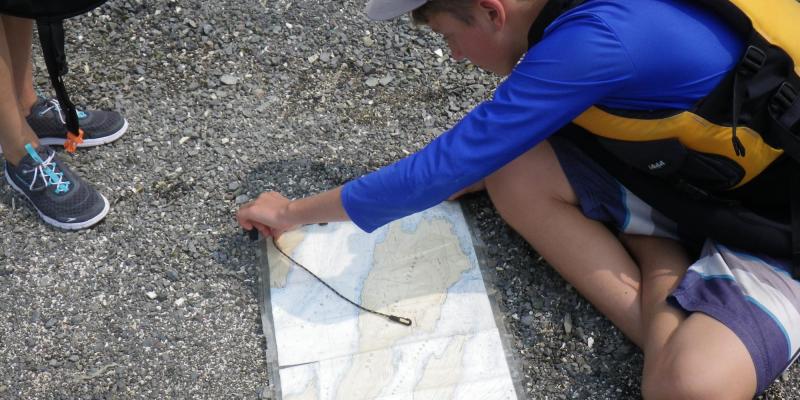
(475, 187)
(268, 214)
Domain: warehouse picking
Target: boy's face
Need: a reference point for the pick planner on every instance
(482, 42)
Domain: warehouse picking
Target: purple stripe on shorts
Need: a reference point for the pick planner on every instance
(723, 300)
(601, 196)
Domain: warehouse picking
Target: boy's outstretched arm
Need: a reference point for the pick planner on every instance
(272, 213)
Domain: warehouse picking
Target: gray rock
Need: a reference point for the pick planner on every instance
(229, 79)
(385, 80)
(172, 275)
(527, 320)
(568, 324)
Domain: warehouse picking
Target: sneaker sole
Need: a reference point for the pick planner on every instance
(86, 142)
(58, 224)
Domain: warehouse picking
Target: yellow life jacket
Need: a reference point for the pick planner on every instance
(729, 164)
(738, 130)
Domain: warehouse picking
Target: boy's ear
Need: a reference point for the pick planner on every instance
(495, 10)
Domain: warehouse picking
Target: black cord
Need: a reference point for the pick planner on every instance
(393, 318)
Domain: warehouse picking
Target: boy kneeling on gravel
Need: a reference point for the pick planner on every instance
(713, 320)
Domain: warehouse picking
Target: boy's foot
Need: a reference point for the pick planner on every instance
(60, 196)
(99, 127)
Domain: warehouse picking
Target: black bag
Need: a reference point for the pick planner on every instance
(53, 10)
(49, 16)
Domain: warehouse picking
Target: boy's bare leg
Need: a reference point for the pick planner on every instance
(689, 358)
(534, 197)
(14, 130)
(694, 357)
(662, 263)
(19, 36)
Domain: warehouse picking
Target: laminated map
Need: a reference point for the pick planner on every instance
(424, 268)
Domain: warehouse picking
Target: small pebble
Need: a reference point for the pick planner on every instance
(568, 324)
(229, 79)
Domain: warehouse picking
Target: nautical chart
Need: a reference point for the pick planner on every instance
(422, 267)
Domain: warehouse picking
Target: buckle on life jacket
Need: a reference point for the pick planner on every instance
(783, 98)
(752, 61)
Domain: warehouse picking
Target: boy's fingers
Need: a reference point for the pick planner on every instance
(241, 220)
(245, 224)
(265, 230)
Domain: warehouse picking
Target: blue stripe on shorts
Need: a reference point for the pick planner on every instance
(754, 296)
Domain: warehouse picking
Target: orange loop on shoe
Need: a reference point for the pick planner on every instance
(73, 141)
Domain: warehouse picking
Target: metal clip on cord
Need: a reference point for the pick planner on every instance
(394, 318)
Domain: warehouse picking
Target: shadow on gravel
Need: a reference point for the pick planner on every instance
(299, 177)
(294, 178)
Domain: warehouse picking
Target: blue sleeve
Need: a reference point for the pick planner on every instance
(579, 61)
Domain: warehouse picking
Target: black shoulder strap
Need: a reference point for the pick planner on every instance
(549, 13)
(51, 36)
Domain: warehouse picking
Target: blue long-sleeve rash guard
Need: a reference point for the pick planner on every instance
(624, 54)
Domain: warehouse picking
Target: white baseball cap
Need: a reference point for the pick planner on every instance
(387, 9)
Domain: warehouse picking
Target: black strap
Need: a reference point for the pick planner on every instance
(753, 60)
(784, 118)
(549, 13)
(790, 118)
(51, 36)
(795, 200)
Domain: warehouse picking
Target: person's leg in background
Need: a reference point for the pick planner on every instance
(44, 115)
(19, 36)
(61, 198)
(15, 132)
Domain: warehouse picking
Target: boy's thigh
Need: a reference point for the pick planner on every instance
(753, 296)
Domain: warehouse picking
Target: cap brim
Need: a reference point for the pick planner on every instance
(381, 10)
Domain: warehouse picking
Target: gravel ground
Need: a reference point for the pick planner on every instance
(225, 100)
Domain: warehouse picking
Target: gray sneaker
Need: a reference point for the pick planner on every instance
(61, 197)
(99, 127)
